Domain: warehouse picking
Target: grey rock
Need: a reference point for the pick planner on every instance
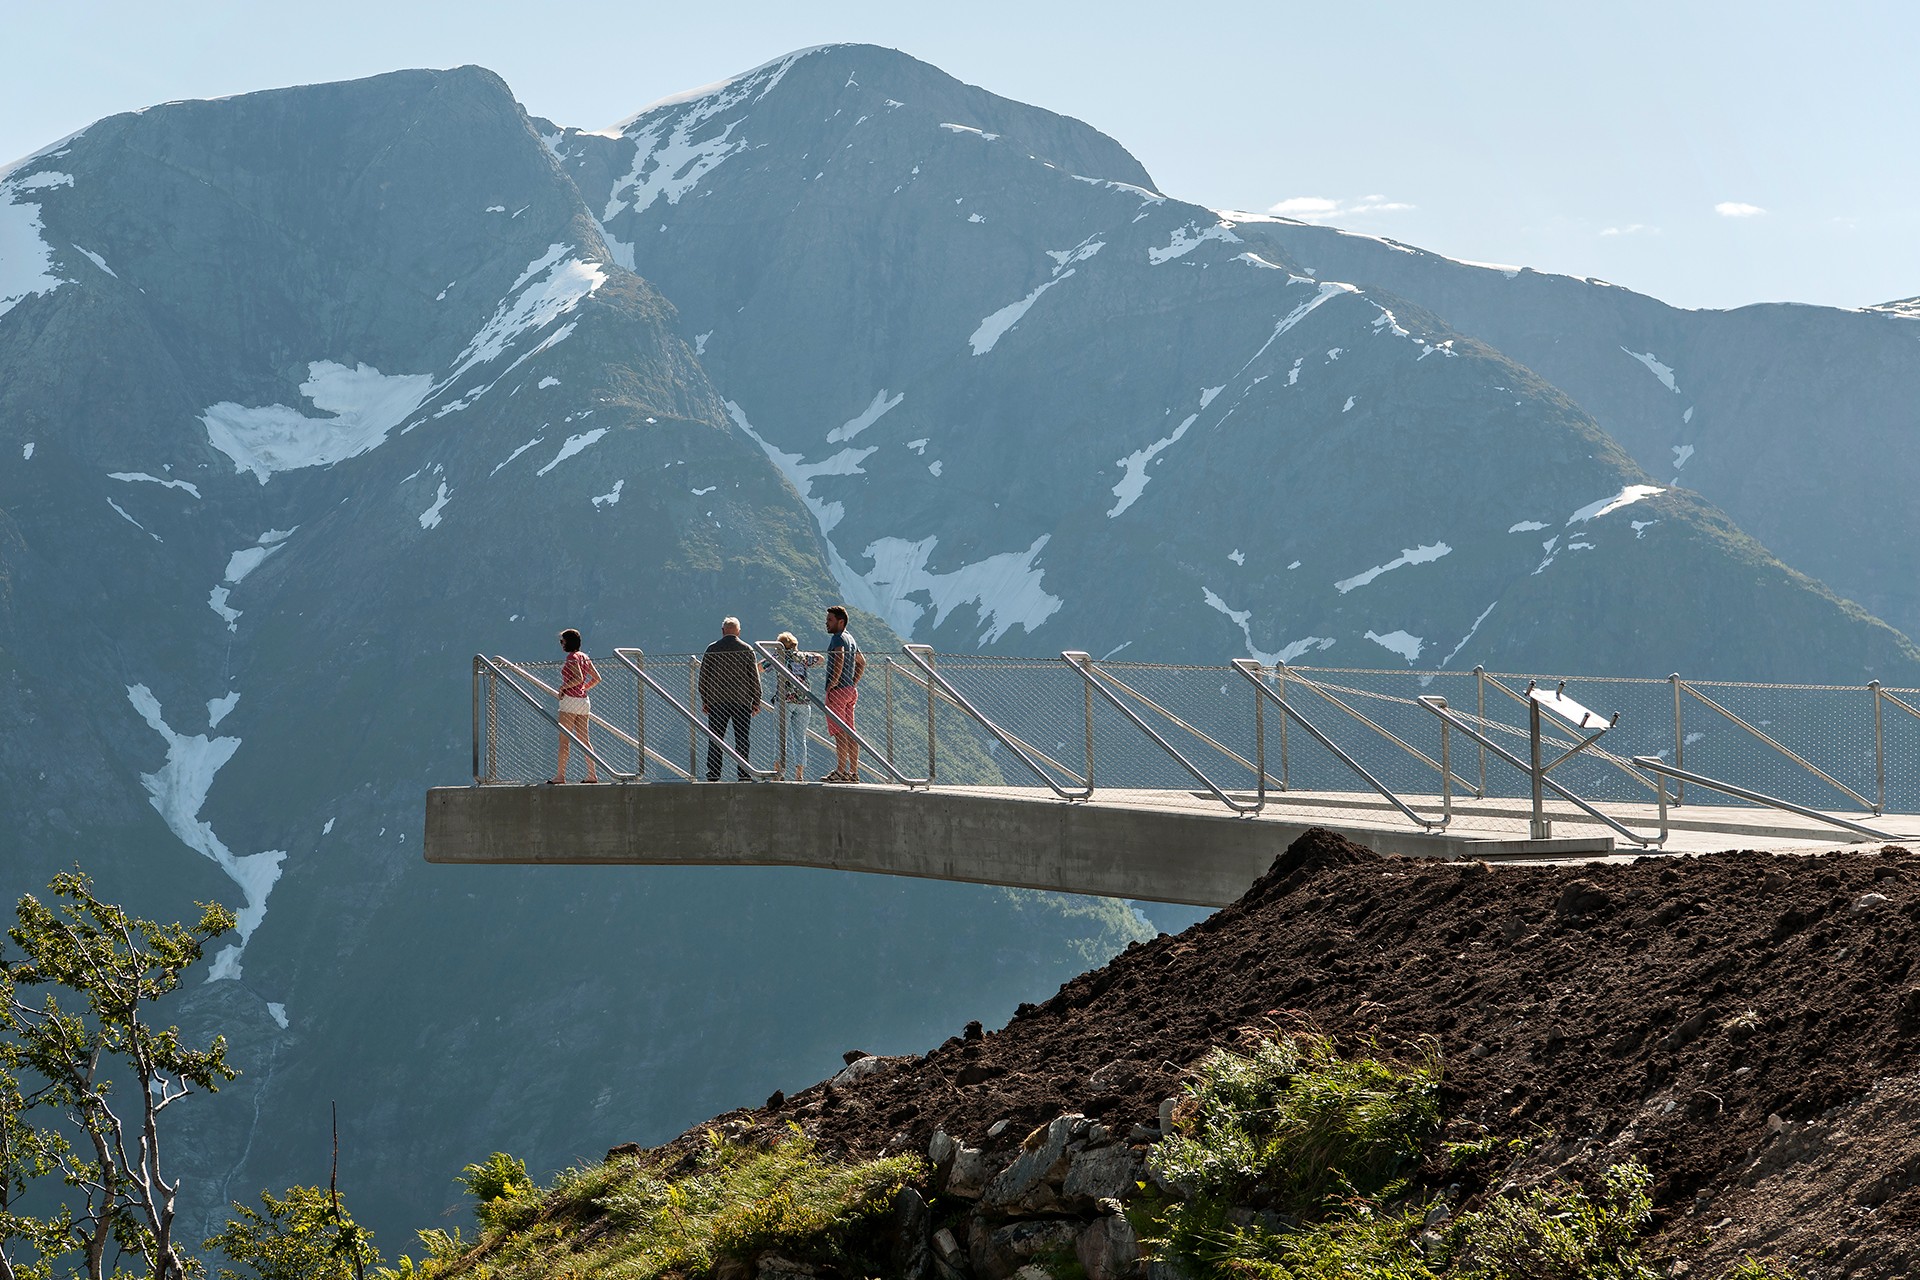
(1143, 1133)
(1166, 1114)
(1100, 1173)
(1031, 1183)
(1118, 1074)
(1108, 1248)
(997, 1128)
(999, 1254)
(940, 1148)
(968, 1176)
(912, 1236)
(775, 1267)
(1868, 901)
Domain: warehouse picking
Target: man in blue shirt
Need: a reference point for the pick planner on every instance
(845, 665)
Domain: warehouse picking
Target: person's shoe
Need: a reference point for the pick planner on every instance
(835, 776)
(555, 782)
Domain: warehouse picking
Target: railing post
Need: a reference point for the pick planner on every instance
(640, 725)
(1541, 828)
(1879, 754)
(1480, 690)
(887, 689)
(476, 719)
(929, 722)
(693, 730)
(1260, 745)
(1679, 744)
(1280, 692)
(493, 726)
(1089, 695)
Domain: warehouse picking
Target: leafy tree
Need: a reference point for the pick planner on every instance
(305, 1236)
(85, 1078)
(498, 1185)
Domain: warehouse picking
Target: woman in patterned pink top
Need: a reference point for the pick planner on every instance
(577, 678)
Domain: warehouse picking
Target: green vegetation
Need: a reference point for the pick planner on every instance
(304, 1235)
(621, 1221)
(85, 1078)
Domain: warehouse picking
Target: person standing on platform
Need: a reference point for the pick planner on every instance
(729, 694)
(794, 703)
(577, 679)
(845, 665)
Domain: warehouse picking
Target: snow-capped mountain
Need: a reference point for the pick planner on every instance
(1802, 423)
(306, 396)
(1024, 392)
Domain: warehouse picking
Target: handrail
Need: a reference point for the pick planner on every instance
(1808, 765)
(1013, 738)
(1562, 737)
(1323, 690)
(1201, 734)
(605, 724)
(691, 717)
(1653, 764)
(1439, 707)
(770, 649)
(1084, 664)
(1252, 671)
(1012, 743)
(504, 676)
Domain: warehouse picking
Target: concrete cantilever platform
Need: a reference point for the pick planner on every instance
(977, 836)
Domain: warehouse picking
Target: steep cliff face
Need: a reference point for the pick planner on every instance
(1762, 409)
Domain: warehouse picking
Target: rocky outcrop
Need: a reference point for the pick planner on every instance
(1059, 1197)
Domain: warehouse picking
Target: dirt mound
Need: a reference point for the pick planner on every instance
(1733, 1021)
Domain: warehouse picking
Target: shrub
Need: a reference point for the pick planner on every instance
(1560, 1232)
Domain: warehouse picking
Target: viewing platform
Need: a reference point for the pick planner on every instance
(1185, 782)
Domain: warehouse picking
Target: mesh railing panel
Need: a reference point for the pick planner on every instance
(1207, 714)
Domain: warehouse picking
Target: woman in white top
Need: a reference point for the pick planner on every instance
(795, 704)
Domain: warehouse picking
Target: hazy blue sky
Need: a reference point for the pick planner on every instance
(1710, 154)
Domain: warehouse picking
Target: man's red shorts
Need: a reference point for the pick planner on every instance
(840, 701)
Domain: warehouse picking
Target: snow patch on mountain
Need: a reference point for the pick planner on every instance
(1134, 482)
(1006, 588)
(609, 499)
(1626, 497)
(365, 406)
(26, 451)
(1406, 645)
(97, 261)
(1301, 312)
(26, 259)
(800, 474)
(1243, 618)
(135, 523)
(1470, 634)
(245, 561)
(967, 128)
(1527, 526)
(558, 285)
(881, 406)
(177, 792)
(430, 518)
(218, 708)
(1188, 237)
(135, 477)
(1681, 452)
(995, 326)
(573, 445)
(1658, 370)
(1413, 555)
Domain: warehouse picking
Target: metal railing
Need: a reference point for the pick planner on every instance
(1320, 741)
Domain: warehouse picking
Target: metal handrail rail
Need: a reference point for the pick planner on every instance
(691, 717)
(1789, 753)
(1201, 734)
(1439, 707)
(1095, 678)
(770, 649)
(1293, 673)
(1007, 739)
(1253, 671)
(1013, 739)
(641, 752)
(1653, 764)
(506, 677)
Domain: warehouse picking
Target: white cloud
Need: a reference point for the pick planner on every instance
(1322, 209)
(1737, 209)
(1633, 229)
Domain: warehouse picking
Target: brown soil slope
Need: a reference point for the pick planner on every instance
(1744, 1023)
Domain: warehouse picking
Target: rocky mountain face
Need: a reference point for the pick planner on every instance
(1797, 421)
(306, 396)
(934, 312)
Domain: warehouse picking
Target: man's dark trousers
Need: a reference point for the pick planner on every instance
(717, 716)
